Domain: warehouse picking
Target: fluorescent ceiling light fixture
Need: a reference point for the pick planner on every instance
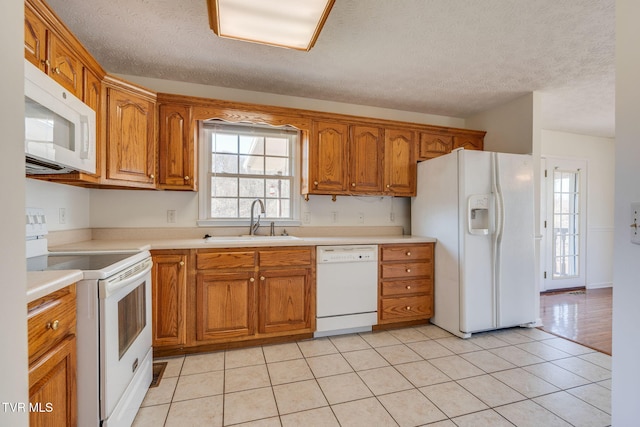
(294, 24)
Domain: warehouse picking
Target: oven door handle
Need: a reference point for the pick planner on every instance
(108, 287)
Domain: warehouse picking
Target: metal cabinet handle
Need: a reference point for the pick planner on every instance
(56, 70)
(408, 307)
(262, 278)
(408, 270)
(53, 325)
(408, 286)
(353, 184)
(152, 176)
(408, 253)
(252, 280)
(186, 178)
(315, 183)
(181, 263)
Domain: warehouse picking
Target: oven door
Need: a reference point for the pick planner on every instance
(125, 334)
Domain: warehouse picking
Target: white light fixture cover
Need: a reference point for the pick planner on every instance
(294, 24)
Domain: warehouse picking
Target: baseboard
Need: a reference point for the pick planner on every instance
(600, 285)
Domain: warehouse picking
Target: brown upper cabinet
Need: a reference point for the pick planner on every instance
(50, 53)
(328, 158)
(366, 154)
(434, 144)
(176, 148)
(131, 139)
(399, 162)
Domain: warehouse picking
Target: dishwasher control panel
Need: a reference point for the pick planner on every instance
(346, 253)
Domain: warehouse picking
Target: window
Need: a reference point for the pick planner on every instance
(243, 163)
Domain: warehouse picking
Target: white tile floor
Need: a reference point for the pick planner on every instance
(406, 377)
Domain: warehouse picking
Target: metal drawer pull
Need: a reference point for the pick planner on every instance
(53, 325)
(261, 277)
(408, 270)
(408, 308)
(408, 253)
(408, 286)
(252, 280)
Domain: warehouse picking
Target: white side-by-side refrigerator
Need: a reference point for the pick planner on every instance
(479, 205)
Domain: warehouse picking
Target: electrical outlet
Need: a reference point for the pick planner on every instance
(62, 216)
(360, 218)
(635, 223)
(334, 217)
(392, 217)
(306, 218)
(171, 216)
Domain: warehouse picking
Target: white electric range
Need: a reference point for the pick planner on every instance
(114, 353)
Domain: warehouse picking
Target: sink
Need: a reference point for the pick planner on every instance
(247, 238)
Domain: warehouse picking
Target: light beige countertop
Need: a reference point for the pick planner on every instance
(41, 283)
(233, 242)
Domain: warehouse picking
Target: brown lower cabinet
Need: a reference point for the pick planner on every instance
(52, 359)
(233, 296)
(405, 282)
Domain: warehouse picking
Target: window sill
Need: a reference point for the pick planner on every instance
(245, 223)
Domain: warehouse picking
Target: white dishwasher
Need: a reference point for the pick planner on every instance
(346, 289)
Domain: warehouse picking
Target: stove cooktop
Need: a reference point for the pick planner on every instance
(84, 262)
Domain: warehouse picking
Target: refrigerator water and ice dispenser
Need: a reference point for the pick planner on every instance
(478, 214)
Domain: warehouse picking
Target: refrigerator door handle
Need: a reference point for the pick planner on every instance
(497, 236)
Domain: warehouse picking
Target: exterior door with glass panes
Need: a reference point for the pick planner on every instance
(564, 223)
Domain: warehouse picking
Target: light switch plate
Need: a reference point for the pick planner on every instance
(635, 223)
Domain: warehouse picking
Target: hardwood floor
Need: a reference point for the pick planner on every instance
(583, 316)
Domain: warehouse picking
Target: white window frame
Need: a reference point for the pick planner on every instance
(204, 187)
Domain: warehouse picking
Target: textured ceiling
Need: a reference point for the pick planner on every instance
(447, 57)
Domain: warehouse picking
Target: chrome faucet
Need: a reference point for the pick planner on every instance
(254, 227)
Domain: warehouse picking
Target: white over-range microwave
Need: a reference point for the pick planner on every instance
(60, 129)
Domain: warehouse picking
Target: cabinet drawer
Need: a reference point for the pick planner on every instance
(404, 287)
(285, 258)
(406, 269)
(406, 307)
(50, 319)
(238, 259)
(406, 252)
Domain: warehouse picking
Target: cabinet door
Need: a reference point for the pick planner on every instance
(328, 158)
(52, 386)
(35, 33)
(130, 137)
(366, 150)
(225, 305)
(468, 142)
(400, 164)
(169, 299)
(176, 148)
(65, 67)
(92, 96)
(433, 145)
(285, 300)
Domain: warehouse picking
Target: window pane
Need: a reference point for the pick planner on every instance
(223, 143)
(278, 188)
(224, 187)
(252, 165)
(251, 145)
(277, 166)
(278, 208)
(245, 208)
(224, 208)
(277, 147)
(224, 163)
(251, 187)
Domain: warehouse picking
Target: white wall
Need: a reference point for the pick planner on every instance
(509, 126)
(600, 156)
(149, 209)
(626, 273)
(13, 303)
(51, 197)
